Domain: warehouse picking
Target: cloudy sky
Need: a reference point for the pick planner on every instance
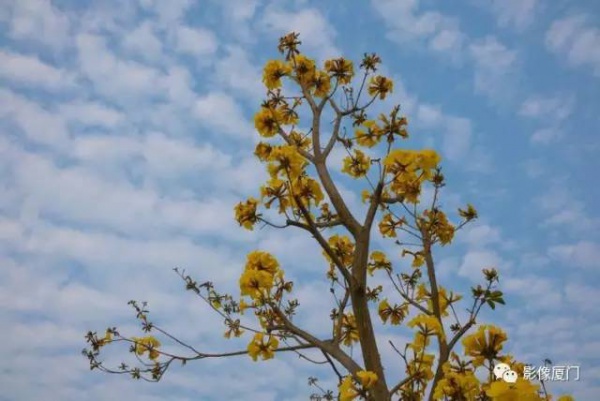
(126, 140)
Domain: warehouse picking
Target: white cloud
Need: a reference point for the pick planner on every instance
(494, 64)
(219, 110)
(537, 292)
(546, 135)
(457, 131)
(143, 42)
(29, 70)
(116, 78)
(584, 254)
(407, 23)
(548, 108)
(198, 42)
(516, 13)
(238, 72)
(91, 113)
(169, 12)
(316, 33)
(572, 38)
(480, 235)
(474, 261)
(39, 21)
(39, 125)
(562, 210)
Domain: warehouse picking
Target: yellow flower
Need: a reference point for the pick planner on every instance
(255, 283)
(367, 378)
(275, 190)
(304, 68)
(245, 213)
(322, 84)
(371, 136)
(300, 141)
(108, 336)
(267, 121)
(273, 72)
(262, 151)
(343, 247)
(308, 190)
(565, 398)
(388, 225)
(381, 86)
(146, 344)
(427, 324)
(468, 214)
(457, 385)
(349, 330)
(485, 344)
(287, 162)
(365, 195)
(348, 391)
(522, 390)
(379, 261)
(259, 348)
(262, 261)
(340, 68)
(395, 314)
(358, 165)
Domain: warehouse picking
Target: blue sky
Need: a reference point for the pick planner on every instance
(126, 140)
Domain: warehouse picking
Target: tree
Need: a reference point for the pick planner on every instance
(302, 194)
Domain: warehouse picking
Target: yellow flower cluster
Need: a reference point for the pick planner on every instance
(146, 344)
(262, 346)
(357, 165)
(522, 390)
(427, 324)
(349, 329)
(286, 163)
(395, 314)
(410, 169)
(369, 137)
(389, 224)
(343, 247)
(341, 69)
(485, 344)
(348, 388)
(273, 72)
(378, 261)
(438, 225)
(457, 385)
(245, 213)
(380, 86)
(259, 275)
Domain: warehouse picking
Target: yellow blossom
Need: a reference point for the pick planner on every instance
(395, 314)
(245, 213)
(358, 165)
(380, 85)
(258, 347)
(340, 68)
(267, 121)
(146, 344)
(285, 162)
(348, 390)
(485, 344)
(522, 390)
(367, 378)
(371, 136)
(273, 72)
(322, 84)
(304, 69)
